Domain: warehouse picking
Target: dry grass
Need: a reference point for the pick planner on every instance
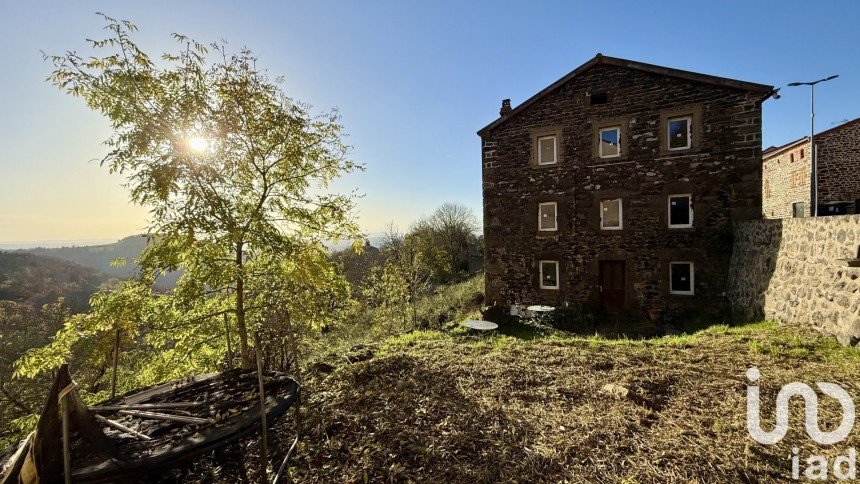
(439, 407)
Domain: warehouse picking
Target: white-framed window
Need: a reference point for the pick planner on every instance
(680, 211)
(548, 216)
(609, 145)
(680, 133)
(611, 217)
(547, 150)
(548, 274)
(681, 278)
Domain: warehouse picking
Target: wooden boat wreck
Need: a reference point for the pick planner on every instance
(147, 431)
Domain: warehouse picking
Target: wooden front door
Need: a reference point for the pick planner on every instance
(612, 285)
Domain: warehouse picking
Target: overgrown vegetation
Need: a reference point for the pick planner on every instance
(443, 308)
(235, 175)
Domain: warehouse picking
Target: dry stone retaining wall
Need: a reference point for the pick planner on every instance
(797, 270)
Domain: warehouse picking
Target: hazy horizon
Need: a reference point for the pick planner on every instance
(413, 82)
(65, 243)
(53, 244)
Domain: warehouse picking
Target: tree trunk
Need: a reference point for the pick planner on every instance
(229, 344)
(240, 307)
(294, 346)
(14, 401)
(115, 364)
(412, 296)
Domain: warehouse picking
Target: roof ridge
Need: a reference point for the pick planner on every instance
(631, 64)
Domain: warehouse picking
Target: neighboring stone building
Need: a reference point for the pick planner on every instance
(787, 181)
(617, 186)
(786, 187)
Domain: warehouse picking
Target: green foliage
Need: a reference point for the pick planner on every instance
(385, 291)
(371, 321)
(451, 303)
(23, 326)
(447, 238)
(355, 265)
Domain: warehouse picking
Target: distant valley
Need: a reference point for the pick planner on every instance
(36, 280)
(99, 257)
(41, 274)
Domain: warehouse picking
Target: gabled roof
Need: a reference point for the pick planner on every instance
(775, 150)
(599, 59)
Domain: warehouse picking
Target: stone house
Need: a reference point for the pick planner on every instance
(616, 188)
(787, 181)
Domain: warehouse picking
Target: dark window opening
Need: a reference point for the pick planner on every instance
(548, 274)
(799, 209)
(679, 133)
(681, 278)
(601, 97)
(680, 213)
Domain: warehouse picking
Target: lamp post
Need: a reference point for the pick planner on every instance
(813, 152)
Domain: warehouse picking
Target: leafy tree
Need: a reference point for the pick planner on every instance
(233, 171)
(407, 261)
(356, 265)
(386, 293)
(454, 228)
(446, 237)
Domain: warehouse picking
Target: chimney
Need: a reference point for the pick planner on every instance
(506, 107)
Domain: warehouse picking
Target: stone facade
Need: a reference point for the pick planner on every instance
(786, 180)
(721, 171)
(839, 164)
(787, 174)
(798, 270)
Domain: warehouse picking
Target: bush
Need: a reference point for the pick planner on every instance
(571, 318)
(449, 303)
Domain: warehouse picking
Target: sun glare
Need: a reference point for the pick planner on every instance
(198, 144)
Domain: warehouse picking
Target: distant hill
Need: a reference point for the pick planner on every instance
(37, 280)
(99, 257)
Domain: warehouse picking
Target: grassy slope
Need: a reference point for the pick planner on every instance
(527, 407)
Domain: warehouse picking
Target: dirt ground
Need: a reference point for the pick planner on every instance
(431, 406)
(525, 406)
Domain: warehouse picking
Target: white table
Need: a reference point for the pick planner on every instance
(480, 325)
(540, 313)
(540, 309)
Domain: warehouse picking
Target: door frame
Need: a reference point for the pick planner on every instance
(601, 263)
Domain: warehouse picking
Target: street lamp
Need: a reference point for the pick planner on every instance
(813, 151)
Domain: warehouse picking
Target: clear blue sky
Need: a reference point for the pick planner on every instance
(414, 81)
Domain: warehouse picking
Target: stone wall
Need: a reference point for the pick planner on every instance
(786, 180)
(795, 270)
(839, 163)
(722, 172)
